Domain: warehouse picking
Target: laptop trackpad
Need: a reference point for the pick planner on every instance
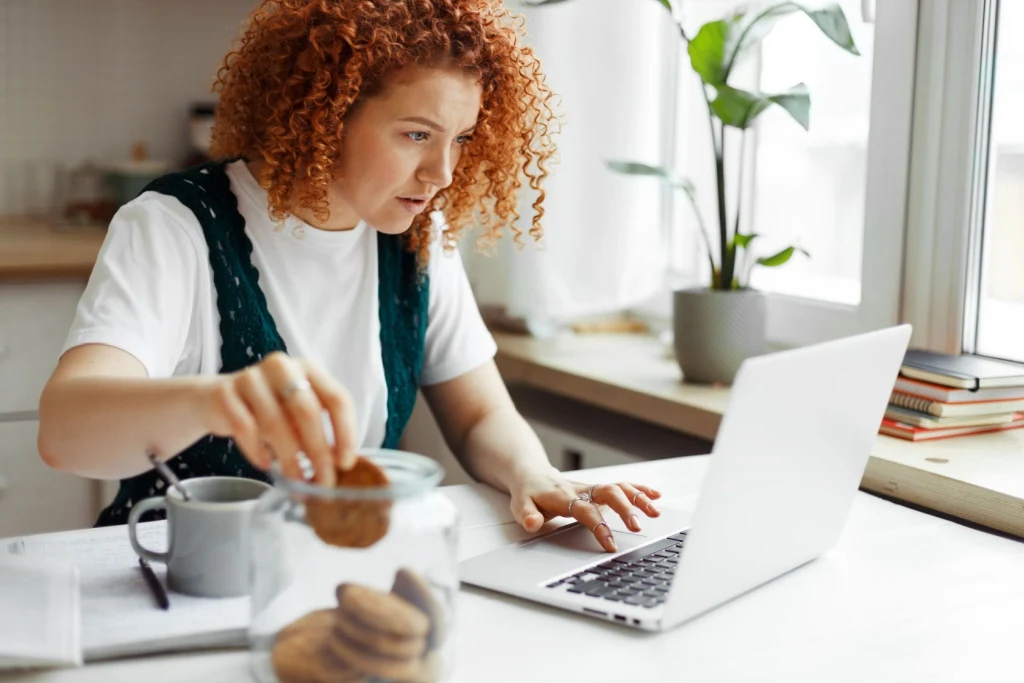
(579, 545)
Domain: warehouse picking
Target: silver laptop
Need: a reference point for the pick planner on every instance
(786, 464)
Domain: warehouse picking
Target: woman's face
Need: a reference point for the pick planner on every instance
(401, 147)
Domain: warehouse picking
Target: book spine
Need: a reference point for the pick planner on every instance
(921, 405)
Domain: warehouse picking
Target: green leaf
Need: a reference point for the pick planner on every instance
(833, 24)
(743, 241)
(635, 168)
(718, 46)
(707, 50)
(738, 108)
(781, 257)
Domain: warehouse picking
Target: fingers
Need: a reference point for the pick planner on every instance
(614, 497)
(589, 515)
(274, 427)
(640, 498)
(301, 406)
(274, 410)
(653, 494)
(233, 418)
(339, 405)
(525, 512)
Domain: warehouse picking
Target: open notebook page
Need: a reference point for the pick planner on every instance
(40, 624)
(119, 614)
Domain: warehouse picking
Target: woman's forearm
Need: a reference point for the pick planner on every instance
(101, 427)
(502, 448)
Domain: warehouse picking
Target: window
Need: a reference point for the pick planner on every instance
(999, 326)
(838, 190)
(963, 289)
(809, 185)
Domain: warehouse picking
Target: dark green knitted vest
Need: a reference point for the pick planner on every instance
(249, 333)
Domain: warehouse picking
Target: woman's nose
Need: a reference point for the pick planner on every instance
(437, 170)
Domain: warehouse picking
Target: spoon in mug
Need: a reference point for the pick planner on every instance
(168, 475)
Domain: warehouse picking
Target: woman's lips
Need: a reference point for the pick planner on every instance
(413, 206)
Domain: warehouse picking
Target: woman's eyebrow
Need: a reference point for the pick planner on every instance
(430, 124)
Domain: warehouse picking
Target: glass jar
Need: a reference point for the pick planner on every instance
(355, 583)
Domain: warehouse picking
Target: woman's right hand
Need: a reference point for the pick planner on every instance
(274, 409)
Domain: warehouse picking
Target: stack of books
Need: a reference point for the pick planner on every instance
(940, 396)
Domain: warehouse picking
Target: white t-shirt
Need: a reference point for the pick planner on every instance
(151, 294)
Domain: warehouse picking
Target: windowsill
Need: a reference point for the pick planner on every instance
(979, 479)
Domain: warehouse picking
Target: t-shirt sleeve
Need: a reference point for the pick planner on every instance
(141, 294)
(457, 339)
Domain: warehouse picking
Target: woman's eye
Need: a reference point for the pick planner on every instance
(417, 136)
(463, 139)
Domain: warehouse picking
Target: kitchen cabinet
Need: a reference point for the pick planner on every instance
(33, 497)
(34, 320)
(575, 436)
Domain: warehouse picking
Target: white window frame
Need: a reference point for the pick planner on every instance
(946, 211)
(795, 321)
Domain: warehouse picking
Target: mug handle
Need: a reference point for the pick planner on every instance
(138, 510)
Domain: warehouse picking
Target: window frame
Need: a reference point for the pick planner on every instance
(795, 321)
(949, 173)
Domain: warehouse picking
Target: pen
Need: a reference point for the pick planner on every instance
(154, 585)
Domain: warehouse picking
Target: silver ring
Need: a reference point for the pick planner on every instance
(296, 386)
(583, 498)
(591, 494)
(637, 495)
(594, 530)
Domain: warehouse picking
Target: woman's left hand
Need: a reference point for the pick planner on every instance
(538, 497)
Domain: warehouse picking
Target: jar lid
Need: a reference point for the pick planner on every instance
(409, 474)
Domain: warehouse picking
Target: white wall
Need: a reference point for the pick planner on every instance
(86, 78)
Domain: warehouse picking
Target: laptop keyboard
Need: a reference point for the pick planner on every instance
(640, 577)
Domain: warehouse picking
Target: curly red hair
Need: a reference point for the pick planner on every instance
(302, 65)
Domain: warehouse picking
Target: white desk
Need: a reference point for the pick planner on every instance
(903, 597)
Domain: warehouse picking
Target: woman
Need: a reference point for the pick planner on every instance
(235, 304)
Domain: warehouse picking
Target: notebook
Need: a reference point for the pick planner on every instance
(918, 419)
(40, 618)
(938, 392)
(963, 372)
(905, 431)
(119, 615)
(942, 409)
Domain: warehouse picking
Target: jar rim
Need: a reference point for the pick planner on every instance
(416, 474)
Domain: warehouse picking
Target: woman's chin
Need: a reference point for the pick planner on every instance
(392, 226)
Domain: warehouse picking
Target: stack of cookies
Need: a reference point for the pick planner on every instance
(372, 636)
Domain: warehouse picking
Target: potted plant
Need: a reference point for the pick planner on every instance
(718, 326)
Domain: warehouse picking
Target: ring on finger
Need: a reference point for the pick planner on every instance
(591, 494)
(295, 387)
(637, 495)
(604, 524)
(583, 498)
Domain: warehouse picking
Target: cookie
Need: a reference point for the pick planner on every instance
(352, 523)
(391, 668)
(301, 653)
(430, 670)
(415, 589)
(382, 612)
(378, 642)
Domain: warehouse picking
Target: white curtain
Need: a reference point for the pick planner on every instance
(606, 245)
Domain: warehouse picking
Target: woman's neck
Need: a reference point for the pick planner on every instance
(305, 214)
